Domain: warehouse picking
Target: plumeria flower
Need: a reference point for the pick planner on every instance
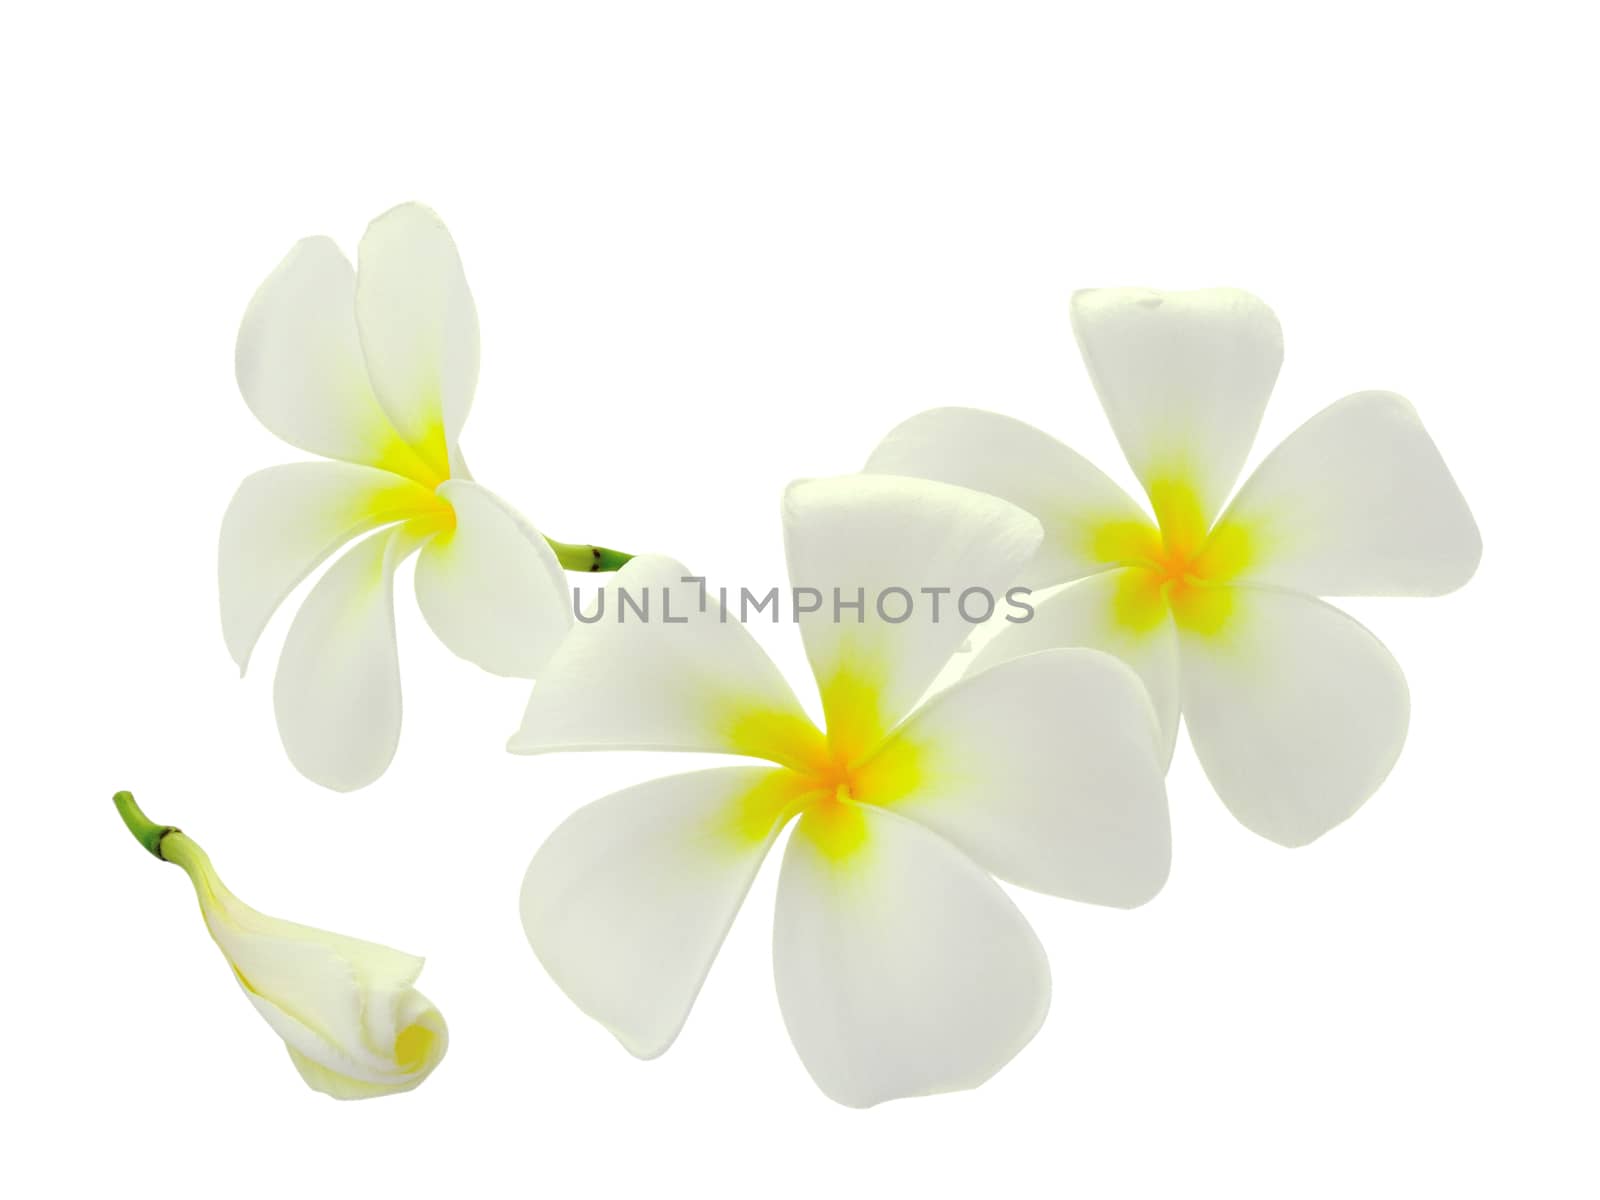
(375, 369)
(1295, 711)
(346, 1009)
(902, 968)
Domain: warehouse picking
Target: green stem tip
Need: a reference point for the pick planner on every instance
(141, 826)
(587, 558)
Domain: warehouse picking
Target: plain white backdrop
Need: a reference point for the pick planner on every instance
(716, 248)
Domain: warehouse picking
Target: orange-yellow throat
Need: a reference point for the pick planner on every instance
(826, 777)
(1176, 565)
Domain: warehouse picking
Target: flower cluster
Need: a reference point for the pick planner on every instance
(902, 967)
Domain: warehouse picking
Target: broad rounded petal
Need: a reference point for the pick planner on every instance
(1097, 613)
(299, 364)
(1073, 498)
(1297, 712)
(337, 692)
(419, 328)
(653, 671)
(283, 522)
(1356, 502)
(902, 968)
(909, 556)
(1184, 377)
(628, 901)
(1045, 770)
(491, 588)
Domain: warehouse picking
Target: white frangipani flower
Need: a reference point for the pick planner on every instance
(901, 967)
(1295, 711)
(347, 1010)
(376, 368)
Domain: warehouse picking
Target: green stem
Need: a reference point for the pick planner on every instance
(587, 558)
(141, 826)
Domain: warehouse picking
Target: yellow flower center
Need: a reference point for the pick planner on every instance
(421, 508)
(426, 461)
(827, 777)
(414, 497)
(1176, 565)
(424, 465)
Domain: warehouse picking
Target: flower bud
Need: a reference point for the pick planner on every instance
(346, 1009)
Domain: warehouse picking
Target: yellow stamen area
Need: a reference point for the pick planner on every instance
(422, 511)
(836, 826)
(771, 802)
(426, 460)
(825, 777)
(412, 1047)
(853, 715)
(1178, 565)
(423, 465)
(780, 737)
(401, 458)
(411, 502)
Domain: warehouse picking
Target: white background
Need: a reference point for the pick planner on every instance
(715, 249)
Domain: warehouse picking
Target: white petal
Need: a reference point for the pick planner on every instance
(987, 452)
(308, 971)
(628, 901)
(491, 588)
(337, 691)
(299, 364)
(283, 522)
(1045, 770)
(1296, 712)
(419, 328)
(680, 680)
(1184, 377)
(1356, 502)
(1086, 613)
(902, 968)
(298, 964)
(854, 539)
